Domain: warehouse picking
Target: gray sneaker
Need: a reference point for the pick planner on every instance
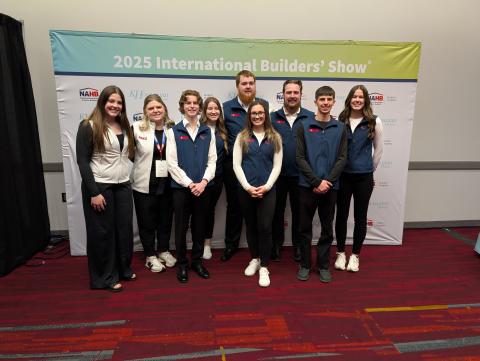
(303, 274)
(325, 275)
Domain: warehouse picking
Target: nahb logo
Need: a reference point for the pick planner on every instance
(376, 98)
(137, 117)
(280, 98)
(89, 94)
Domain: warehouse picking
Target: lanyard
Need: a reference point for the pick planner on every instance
(157, 144)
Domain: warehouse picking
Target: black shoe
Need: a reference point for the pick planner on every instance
(276, 254)
(200, 269)
(182, 274)
(297, 255)
(228, 253)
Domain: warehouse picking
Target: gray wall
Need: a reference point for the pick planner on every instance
(446, 124)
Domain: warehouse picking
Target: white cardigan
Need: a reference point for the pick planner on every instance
(144, 140)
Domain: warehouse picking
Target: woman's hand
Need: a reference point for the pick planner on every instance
(98, 203)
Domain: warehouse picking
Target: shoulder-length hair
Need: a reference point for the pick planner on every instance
(367, 110)
(219, 124)
(99, 123)
(270, 134)
(145, 122)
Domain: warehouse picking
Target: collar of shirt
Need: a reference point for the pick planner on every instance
(187, 125)
(243, 105)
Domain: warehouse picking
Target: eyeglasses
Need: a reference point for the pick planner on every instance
(257, 114)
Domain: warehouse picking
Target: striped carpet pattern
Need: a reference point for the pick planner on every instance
(418, 301)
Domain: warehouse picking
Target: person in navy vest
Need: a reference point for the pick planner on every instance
(104, 146)
(151, 184)
(257, 162)
(235, 111)
(212, 115)
(365, 149)
(286, 122)
(191, 158)
(321, 156)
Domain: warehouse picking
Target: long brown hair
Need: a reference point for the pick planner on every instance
(145, 125)
(270, 134)
(367, 110)
(99, 126)
(220, 123)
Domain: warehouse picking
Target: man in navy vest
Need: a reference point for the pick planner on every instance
(235, 111)
(286, 122)
(321, 155)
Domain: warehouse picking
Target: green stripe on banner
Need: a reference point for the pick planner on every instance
(89, 52)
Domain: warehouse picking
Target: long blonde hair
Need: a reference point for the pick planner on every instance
(145, 122)
(270, 134)
(220, 123)
(98, 118)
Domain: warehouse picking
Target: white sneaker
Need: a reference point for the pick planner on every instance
(353, 263)
(167, 258)
(207, 252)
(252, 267)
(264, 279)
(154, 265)
(341, 261)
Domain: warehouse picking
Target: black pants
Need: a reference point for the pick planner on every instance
(109, 235)
(154, 217)
(186, 205)
(284, 186)
(258, 220)
(325, 204)
(233, 222)
(213, 194)
(360, 185)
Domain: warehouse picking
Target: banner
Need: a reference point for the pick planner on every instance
(86, 62)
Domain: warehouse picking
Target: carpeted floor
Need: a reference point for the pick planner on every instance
(418, 301)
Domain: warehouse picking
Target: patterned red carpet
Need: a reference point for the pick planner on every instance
(418, 301)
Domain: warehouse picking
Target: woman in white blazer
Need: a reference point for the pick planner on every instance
(104, 145)
(151, 184)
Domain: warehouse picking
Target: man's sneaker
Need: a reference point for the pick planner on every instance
(252, 267)
(325, 275)
(353, 263)
(303, 274)
(263, 279)
(167, 258)
(154, 265)
(207, 252)
(341, 261)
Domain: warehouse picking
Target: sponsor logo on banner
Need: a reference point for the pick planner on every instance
(137, 117)
(376, 98)
(369, 222)
(389, 122)
(89, 94)
(141, 94)
(391, 98)
(379, 204)
(280, 98)
(387, 142)
(386, 164)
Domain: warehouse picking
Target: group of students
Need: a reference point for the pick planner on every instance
(179, 169)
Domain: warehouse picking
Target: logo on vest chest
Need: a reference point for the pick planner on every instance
(184, 137)
(142, 137)
(314, 130)
(235, 115)
(280, 121)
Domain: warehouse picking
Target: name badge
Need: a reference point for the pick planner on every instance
(161, 170)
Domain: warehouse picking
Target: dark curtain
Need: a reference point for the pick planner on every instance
(24, 223)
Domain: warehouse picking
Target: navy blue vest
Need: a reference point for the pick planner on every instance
(321, 147)
(257, 163)
(192, 155)
(289, 138)
(359, 149)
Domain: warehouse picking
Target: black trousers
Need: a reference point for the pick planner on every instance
(284, 186)
(213, 194)
(258, 220)
(109, 235)
(186, 205)
(154, 218)
(234, 220)
(360, 186)
(325, 204)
